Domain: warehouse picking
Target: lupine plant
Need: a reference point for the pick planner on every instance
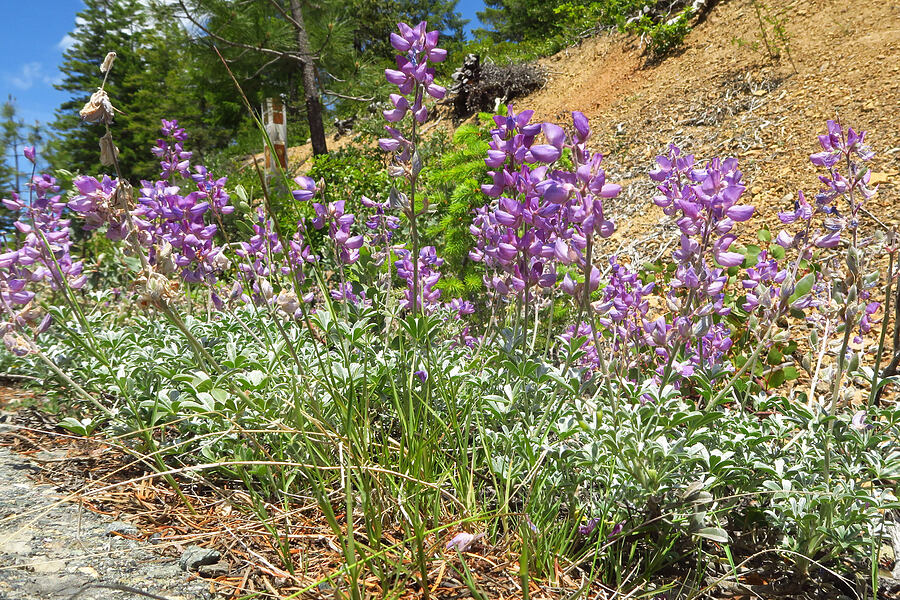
(634, 443)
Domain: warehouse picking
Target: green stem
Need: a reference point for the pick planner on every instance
(884, 325)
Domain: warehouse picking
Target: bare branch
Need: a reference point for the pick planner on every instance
(263, 68)
(215, 36)
(345, 97)
(285, 14)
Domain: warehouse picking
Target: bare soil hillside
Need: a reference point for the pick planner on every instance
(718, 96)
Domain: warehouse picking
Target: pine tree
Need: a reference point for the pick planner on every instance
(519, 20)
(156, 75)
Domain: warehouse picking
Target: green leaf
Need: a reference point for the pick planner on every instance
(776, 378)
(804, 286)
(752, 253)
(716, 534)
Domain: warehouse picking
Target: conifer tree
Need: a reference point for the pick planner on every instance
(103, 26)
(11, 146)
(15, 135)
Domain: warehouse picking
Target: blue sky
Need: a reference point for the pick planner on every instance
(468, 8)
(34, 38)
(31, 47)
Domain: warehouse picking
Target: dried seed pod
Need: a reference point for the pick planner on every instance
(122, 196)
(98, 109)
(108, 151)
(15, 343)
(108, 62)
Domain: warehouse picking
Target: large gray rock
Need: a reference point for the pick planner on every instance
(195, 557)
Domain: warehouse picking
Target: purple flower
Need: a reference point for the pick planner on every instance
(858, 422)
(29, 153)
(461, 307)
(414, 79)
(306, 190)
(589, 527)
(462, 541)
(429, 262)
(170, 151)
(40, 253)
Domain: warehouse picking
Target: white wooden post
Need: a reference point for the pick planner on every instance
(276, 127)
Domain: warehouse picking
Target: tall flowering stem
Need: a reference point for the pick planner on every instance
(42, 255)
(705, 201)
(414, 79)
(848, 149)
(515, 233)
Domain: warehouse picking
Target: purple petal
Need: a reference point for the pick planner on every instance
(555, 134)
(582, 126)
(729, 259)
(399, 43)
(437, 55)
(395, 77)
(546, 153)
(740, 212)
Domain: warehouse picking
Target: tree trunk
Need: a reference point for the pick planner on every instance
(310, 90)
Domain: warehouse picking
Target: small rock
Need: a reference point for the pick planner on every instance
(879, 178)
(195, 557)
(44, 565)
(121, 528)
(215, 570)
(17, 544)
(89, 571)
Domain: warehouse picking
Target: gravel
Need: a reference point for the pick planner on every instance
(50, 549)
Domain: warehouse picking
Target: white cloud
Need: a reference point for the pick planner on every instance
(66, 42)
(30, 74)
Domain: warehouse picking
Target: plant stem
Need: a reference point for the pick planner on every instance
(884, 325)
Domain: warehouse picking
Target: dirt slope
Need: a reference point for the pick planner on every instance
(720, 97)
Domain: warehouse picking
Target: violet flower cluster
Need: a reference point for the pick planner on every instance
(622, 311)
(177, 229)
(382, 227)
(515, 234)
(840, 147)
(100, 202)
(261, 257)
(173, 158)
(429, 263)
(585, 214)
(705, 201)
(845, 149)
(265, 262)
(541, 217)
(414, 78)
(43, 255)
(339, 223)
